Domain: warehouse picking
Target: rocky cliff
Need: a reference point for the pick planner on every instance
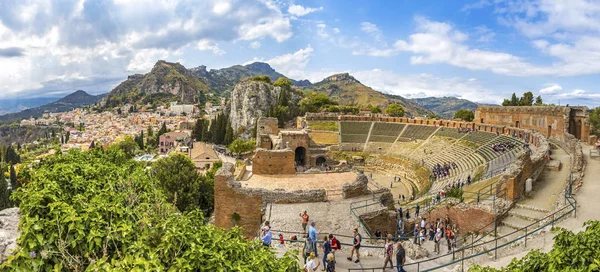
(166, 81)
(9, 222)
(250, 100)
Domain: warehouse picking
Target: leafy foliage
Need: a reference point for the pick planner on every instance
(571, 252)
(394, 110)
(101, 211)
(455, 192)
(465, 115)
(595, 120)
(314, 102)
(240, 146)
(265, 79)
(525, 100)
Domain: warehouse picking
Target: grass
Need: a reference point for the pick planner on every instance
(323, 125)
(470, 194)
(325, 138)
(469, 144)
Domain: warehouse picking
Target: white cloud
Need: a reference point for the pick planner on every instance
(372, 29)
(321, 31)
(210, 46)
(425, 85)
(92, 45)
(291, 65)
(551, 89)
(298, 10)
(336, 30)
(255, 45)
(485, 34)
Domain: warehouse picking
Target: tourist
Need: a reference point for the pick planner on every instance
(400, 212)
(312, 234)
(454, 234)
(431, 231)
(400, 257)
(469, 180)
(407, 213)
(438, 197)
(438, 240)
(330, 263)
(307, 250)
(449, 238)
(356, 246)
(304, 220)
(422, 236)
(388, 252)
(391, 184)
(265, 228)
(417, 210)
(423, 223)
(416, 235)
(312, 264)
(281, 241)
(335, 244)
(266, 238)
(326, 250)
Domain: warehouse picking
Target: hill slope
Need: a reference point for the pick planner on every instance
(77, 99)
(165, 82)
(445, 106)
(349, 91)
(221, 80)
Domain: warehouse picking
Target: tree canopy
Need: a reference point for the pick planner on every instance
(239, 146)
(314, 102)
(101, 211)
(525, 100)
(394, 110)
(465, 115)
(595, 120)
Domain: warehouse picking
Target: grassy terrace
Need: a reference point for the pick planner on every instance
(323, 125)
(324, 138)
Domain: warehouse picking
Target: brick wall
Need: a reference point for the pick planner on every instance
(230, 198)
(271, 162)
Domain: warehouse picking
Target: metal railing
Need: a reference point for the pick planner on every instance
(460, 255)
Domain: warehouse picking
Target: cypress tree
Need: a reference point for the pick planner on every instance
(13, 177)
(514, 101)
(228, 134)
(4, 192)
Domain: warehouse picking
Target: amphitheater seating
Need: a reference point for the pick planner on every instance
(387, 129)
(479, 137)
(403, 149)
(355, 127)
(381, 138)
(378, 147)
(418, 132)
(449, 132)
(489, 154)
(431, 148)
(355, 132)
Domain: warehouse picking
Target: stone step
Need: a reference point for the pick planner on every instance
(533, 208)
(517, 223)
(527, 214)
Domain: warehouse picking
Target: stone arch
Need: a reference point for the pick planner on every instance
(320, 161)
(300, 155)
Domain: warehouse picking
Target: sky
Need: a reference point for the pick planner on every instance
(481, 50)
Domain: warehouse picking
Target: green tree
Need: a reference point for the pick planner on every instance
(150, 132)
(526, 99)
(394, 110)
(128, 145)
(240, 146)
(265, 79)
(465, 115)
(4, 193)
(595, 120)
(514, 101)
(198, 128)
(13, 177)
(228, 134)
(283, 82)
(374, 108)
(314, 102)
(538, 101)
(162, 130)
(11, 155)
(67, 136)
(180, 180)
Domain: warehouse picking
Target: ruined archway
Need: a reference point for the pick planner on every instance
(320, 161)
(300, 156)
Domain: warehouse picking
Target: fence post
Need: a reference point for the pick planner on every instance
(552, 220)
(462, 261)
(525, 237)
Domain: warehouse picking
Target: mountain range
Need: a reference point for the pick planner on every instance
(445, 106)
(77, 99)
(19, 104)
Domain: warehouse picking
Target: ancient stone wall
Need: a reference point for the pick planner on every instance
(236, 206)
(382, 220)
(468, 218)
(356, 188)
(267, 125)
(272, 162)
(281, 196)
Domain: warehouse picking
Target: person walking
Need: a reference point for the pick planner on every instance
(438, 240)
(307, 250)
(330, 262)
(312, 263)
(388, 252)
(449, 238)
(266, 238)
(312, 234)
(326, 250)
(335, 244)
(304, 220)
(417, 210)
(356, 246)
(400, 257)
(416, 239)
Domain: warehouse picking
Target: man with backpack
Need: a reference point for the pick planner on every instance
(400, 258)
(389, 251)
(335, 243)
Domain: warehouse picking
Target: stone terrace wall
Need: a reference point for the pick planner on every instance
(271, 162)
(357, 188)
(299, 196)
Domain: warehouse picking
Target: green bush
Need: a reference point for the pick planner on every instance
(101, 211)
(455, 192)
(265, 79)
(571, 252)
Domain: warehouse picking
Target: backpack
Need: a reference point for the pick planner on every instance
(389, 250)
(335, 244)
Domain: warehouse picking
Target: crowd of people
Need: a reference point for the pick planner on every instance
(442, 170)
(503, 147)
(436, 231)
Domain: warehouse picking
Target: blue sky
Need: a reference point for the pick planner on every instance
(481, 50)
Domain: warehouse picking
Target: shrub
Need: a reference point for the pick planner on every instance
(101, 211)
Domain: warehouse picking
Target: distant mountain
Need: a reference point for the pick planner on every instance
(222, 80)
(166, 81)
(349, 91)
(77, 99)
(445, 106)
(18, 104)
